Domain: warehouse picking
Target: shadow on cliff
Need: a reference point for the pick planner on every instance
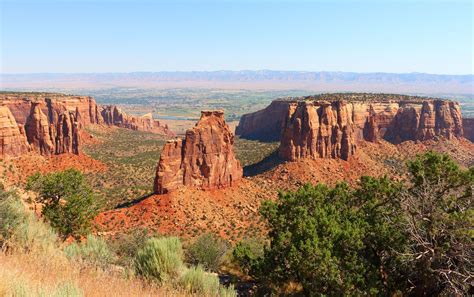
(134, 201)
(266, 164)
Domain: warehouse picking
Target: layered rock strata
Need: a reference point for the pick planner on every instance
(330, 126)
(468, 126)
(203, 159)
(12, 135)
(50, 123)
(318, 130)
(112, 115)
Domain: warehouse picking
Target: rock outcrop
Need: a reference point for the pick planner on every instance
(12, 135)
(112, 115)
(265, 124)
(468, 126)
(54, 134)
(50, 123)
(331, 125)
(318, 130)
(203, 159)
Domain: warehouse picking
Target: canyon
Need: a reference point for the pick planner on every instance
(49, 124)
(332, 125)
(203, 159)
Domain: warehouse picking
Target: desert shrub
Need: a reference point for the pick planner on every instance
(333, 240)
(69, 203)
(197, 281)
(439, 221)
(381, 238)
(21, 230)
(160, 259)
(93, 250)
(208, 250)
(126, 245)
(247, 253)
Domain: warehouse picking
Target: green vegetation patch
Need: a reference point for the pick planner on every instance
(131, 157)
(250, 152)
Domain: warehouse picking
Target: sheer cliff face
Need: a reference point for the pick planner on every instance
(266, 124)
(318, 130)
(50, 123)
(203, 159)
(56, 133)
(112, 115)
(468, 127)
(12, 135)
(332, 128)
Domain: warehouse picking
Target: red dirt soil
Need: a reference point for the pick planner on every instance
(17, 170)
(233, 212)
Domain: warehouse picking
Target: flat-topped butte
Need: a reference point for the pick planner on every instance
(361, 97)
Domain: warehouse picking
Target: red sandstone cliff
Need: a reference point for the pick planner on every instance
(468, 126)
(12, 136)
(112, 115)
(265, 124)
(330, 126)
(54, 134)
(203, 159)
(318, 130)
(50, 123)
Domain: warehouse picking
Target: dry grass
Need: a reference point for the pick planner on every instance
(54, 275)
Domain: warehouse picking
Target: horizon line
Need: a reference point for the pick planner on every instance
(235, 71)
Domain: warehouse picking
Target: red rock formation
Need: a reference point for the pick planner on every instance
(468, 126)
(203, 159)
(112, 115)
(86, 109)
(52, 121)
(12, 136)
(57, 134)
(318, 130)
(265, 124)
(38, 131)
(331, 125)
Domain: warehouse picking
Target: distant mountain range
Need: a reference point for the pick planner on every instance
(262, 79)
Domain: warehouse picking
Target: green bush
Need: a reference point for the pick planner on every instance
(197, 281)
(21, 230)
(381, 238)
(93, 250)
(333, 241)
(69, 203)
(248, 253)
(160, 259)
(208, 251)
(439, 217)
(126, 245)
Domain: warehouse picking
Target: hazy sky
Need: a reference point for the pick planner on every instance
(125, 36)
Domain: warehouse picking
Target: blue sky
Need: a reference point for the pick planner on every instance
(126, 36)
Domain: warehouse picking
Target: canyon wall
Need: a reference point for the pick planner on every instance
(331, 125)
(12, 135)
(112, 115)
(468, 126)
(203, 159)
(50, 123)
(318, 130)
(265, 124)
